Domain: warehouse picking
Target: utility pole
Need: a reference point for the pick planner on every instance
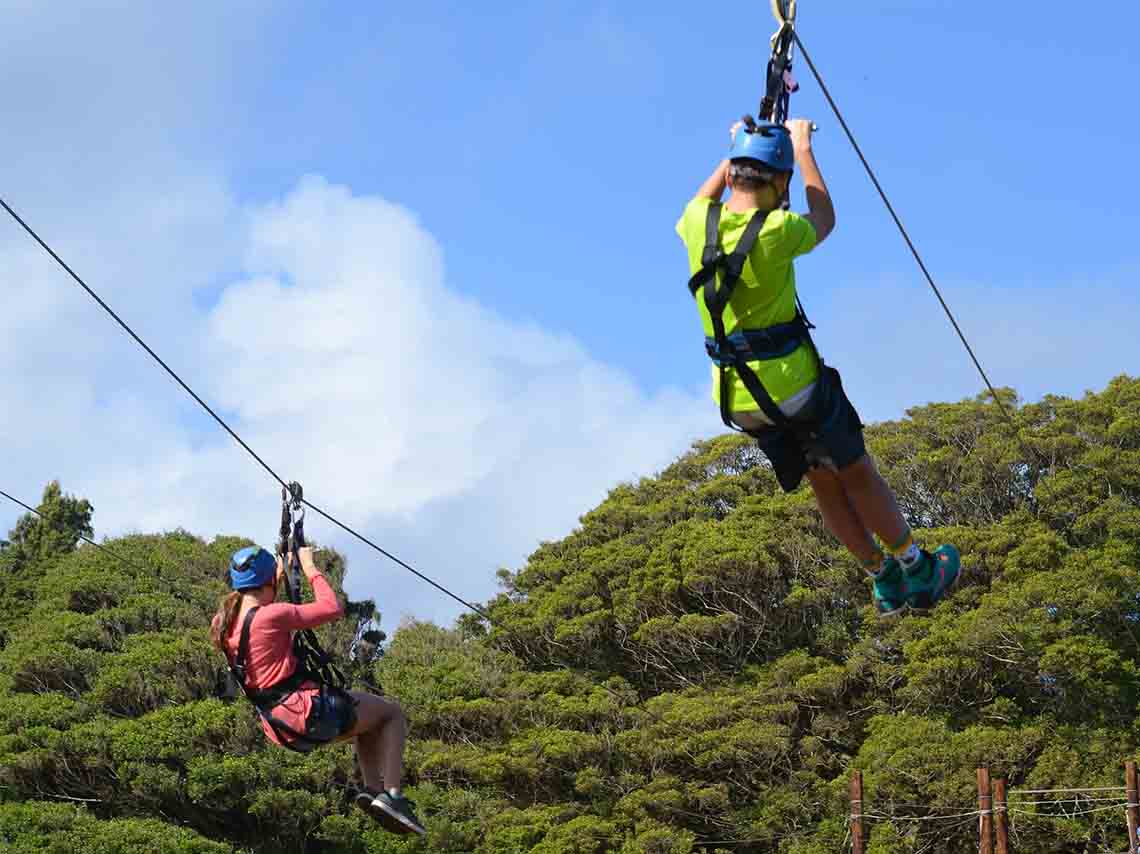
(1001, 817)
(1131, 808)
(857, 812)
(986, 812)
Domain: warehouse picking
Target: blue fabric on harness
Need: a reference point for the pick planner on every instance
(750, 345)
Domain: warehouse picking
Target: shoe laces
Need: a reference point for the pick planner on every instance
(923, 566)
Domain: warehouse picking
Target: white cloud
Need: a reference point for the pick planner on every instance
(347, 362)
(340, 352)
(415, 408)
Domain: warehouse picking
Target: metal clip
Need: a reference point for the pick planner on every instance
(785, 11)
(785, 14)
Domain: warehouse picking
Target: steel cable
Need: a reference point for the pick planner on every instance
(910, 243)
(85, 539)
(221, 422)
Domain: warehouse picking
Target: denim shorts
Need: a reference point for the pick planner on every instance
(332, 715)
(827, 432)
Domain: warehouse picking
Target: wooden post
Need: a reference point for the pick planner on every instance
(857, 812)
(1130, 789)
(985, 808)
(1001, 817)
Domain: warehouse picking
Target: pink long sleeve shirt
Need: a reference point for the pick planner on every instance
(270, 656)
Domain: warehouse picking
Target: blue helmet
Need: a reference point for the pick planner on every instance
(251, 567)
(769, 143)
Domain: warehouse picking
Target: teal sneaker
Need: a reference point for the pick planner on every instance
(888, 592)
(929, 580)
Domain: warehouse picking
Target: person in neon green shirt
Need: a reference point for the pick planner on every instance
(818, 434)
(766, 295)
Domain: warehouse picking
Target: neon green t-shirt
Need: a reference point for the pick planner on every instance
(764, 296)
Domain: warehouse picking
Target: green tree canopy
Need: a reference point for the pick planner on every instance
(61, 522)
(695, 668)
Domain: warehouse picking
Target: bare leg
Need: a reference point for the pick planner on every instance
(380, 731)
(873, 501)
(368, 749)
(840, 516)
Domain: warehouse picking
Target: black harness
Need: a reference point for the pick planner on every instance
(715, 283)
(314, 666)
(269, 698)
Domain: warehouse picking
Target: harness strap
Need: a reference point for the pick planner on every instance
(269, 698)
(311, 657)
(755, 388)
(243, 643)
(728, 356)
(291, 538)
(711, 254)
(771, 342)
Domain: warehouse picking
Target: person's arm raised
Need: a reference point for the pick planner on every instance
(325, 609)
(821, 212)
(713, 187)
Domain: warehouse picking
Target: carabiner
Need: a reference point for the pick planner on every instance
(785, 12)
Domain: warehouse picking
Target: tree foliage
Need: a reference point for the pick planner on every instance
(36, 541)
(694, 668)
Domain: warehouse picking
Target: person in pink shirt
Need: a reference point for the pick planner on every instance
(255, 633)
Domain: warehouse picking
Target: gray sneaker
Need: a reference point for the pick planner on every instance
(364, 799)
(399, 810)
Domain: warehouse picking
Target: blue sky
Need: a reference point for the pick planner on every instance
(508, 179)
(550, 146)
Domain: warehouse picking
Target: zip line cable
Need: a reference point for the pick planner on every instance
(91, 293)
(102, 548)
(1013, 792)
(122, 323)
(902, 229)
(395, 559)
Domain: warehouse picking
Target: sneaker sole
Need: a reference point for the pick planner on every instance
(379, 815)
(886, 615)
(382, 811)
